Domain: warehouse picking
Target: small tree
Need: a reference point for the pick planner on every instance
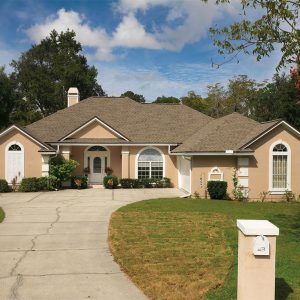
(133, 96)
(62, 168)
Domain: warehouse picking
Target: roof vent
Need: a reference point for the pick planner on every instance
(73, 96)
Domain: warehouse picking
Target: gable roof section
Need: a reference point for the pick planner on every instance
(230, 132)
(27, 134)
(95, 119)
(147, 123)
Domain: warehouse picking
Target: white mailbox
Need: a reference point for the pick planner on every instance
(261, 245)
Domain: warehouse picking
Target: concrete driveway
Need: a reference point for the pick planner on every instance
(53, 245)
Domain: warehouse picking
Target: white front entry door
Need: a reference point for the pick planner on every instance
(14, 162)
(98, 165)
(184, 170)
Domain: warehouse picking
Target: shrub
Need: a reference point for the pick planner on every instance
(80, 182)
(4, 186)
(155, 182)
(129, 183)
(217, 189)
(110, 182)
(62, 168)
(30, 184)
(47, 183)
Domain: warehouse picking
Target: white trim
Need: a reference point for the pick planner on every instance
(289, 167)
(26, 134)
(127, 145)
(145, 148)
(212, 154)
(6, 162)
(219, 172)
(90, 122)
(125, 152)
(263, 134)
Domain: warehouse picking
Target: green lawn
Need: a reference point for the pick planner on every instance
(187, 248)
(2, 215)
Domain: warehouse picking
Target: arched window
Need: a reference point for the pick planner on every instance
(280, 167)
(150, 164)
(14, 147)
(97, 148)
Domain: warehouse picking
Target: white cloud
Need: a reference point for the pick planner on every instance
(195, 17)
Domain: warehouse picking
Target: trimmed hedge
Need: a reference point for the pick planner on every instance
(4, 186)
(30, 184)
(82, 179)
(110, 182)
(217, 189)
(35, 184)
(128, 183)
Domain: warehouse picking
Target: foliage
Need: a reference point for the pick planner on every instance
(196, 195)
(194, 101)
(133, 96)
(164, 99)
(62, 168)
(155, 182)
(263, 196)
(2, 215)
(289, 196)
(217, 189)
(277, 23)
(108, 170)
(47, 183)
(216, 100)
(80, 182)
(237, 190)
(30, 184)
(129, 183)
(7, 98)
(110, 182)
(43, 74)
(4, 186)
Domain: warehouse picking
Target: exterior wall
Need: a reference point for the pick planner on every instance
(259, 165)
(32, 158)
(94, 130)
(170, 163)
(202, 165)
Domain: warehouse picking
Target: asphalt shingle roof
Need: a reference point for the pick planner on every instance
(230, 132)
(157, 123)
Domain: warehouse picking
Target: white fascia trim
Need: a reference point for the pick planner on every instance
(104, 144)
(26, 134)
(263, 134)
(101, 123)
(213, 154)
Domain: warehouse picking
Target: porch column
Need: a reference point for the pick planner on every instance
(45, 164)
(65, 152)
(125, 162)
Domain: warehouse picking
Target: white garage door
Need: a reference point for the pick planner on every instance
(14, 162)
(184, 167)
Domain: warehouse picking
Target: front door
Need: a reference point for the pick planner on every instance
(98, 165)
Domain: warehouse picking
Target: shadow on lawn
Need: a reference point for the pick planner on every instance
(282, 290)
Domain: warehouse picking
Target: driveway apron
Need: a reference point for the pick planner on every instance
(53, 245)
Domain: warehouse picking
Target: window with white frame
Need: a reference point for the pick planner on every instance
(150, 164)
(280, 167)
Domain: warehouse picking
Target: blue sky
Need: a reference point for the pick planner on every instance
(152, 47)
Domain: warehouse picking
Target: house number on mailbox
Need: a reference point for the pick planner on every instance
(261, 245)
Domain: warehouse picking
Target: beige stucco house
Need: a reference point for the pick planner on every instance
(156, 140)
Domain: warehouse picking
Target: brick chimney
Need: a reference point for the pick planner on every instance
(73, 96)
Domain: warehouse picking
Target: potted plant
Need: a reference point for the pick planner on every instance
(108, 171)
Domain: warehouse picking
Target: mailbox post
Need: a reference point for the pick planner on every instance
(256, 259)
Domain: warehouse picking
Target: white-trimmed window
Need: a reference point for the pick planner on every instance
(150, 164)
(280, 167)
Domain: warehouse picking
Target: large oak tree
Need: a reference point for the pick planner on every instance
(44, 73)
